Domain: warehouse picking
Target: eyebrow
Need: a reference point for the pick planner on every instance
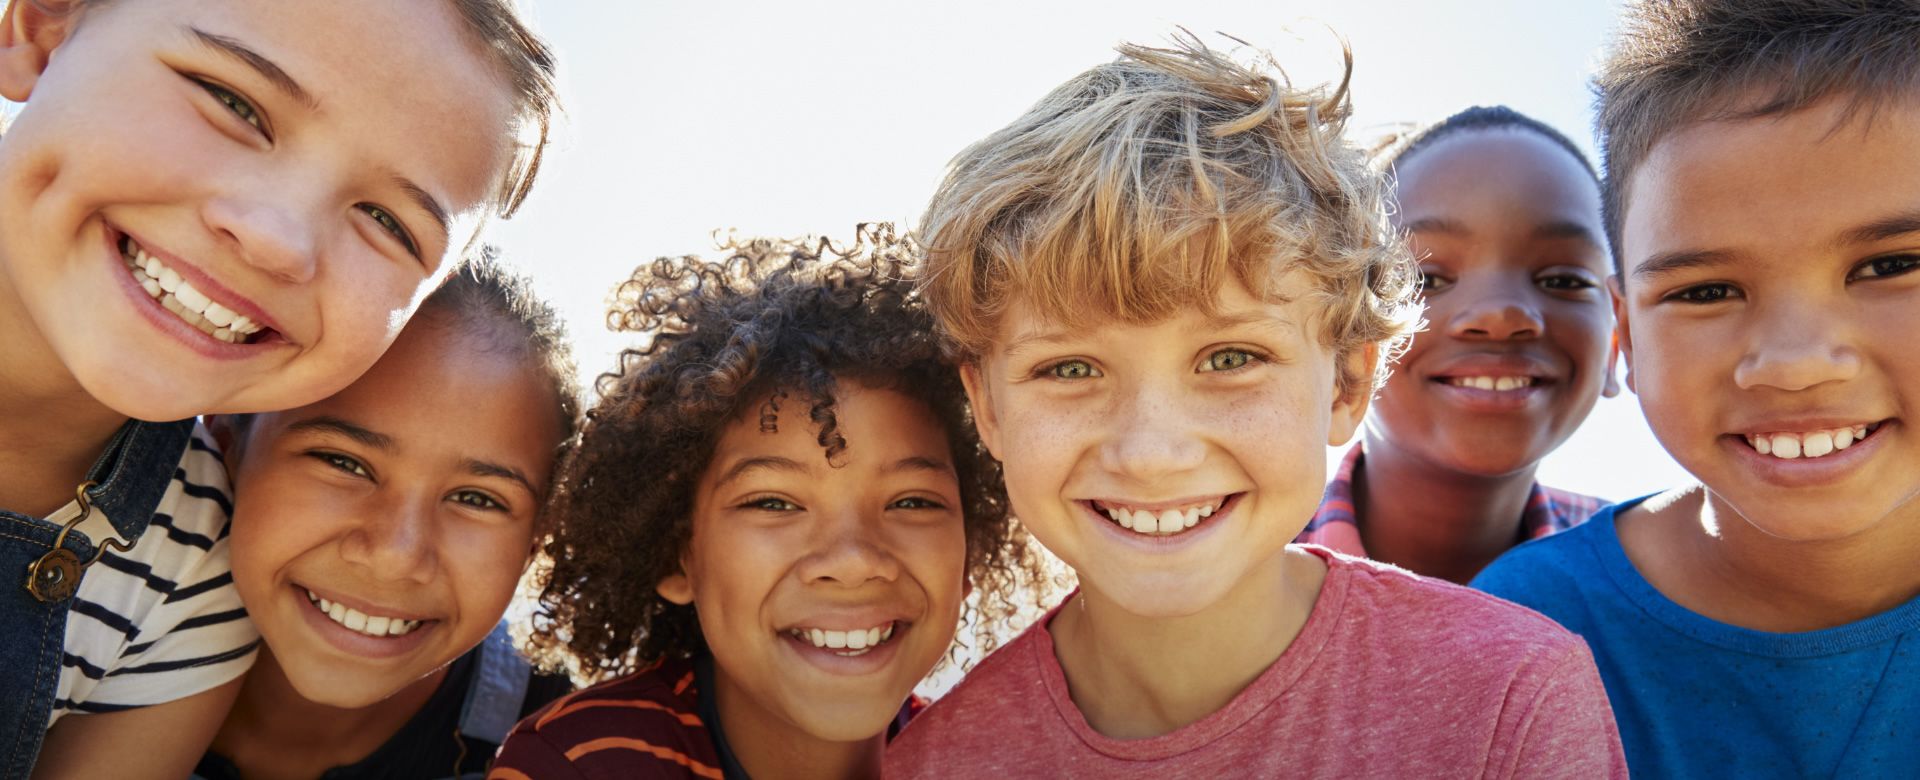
(481, 468)
(426, 202)
(1881, 230)
(260, 64)
(1558, 228)
(1442, 225)
(918, 463)
(768, 462)
(335, 425)
(1669, 262)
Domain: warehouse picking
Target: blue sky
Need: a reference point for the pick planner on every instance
(789, 119)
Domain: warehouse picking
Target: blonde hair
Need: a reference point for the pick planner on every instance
(1139, 186)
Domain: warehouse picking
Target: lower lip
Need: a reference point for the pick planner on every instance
(1163, 543)
(830, 660)
(148, 306)
(1808, 472)
(353, 642)
(1476, 399)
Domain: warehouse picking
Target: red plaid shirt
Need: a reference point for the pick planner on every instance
(1334, 527)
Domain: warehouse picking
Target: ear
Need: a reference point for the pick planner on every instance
(1350, 407)
(986, 419)
(1622, 349)
(676, 587)
(29, 32)
(1611, 387)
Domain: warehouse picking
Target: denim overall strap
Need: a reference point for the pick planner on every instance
(130, 478)
(498, 689)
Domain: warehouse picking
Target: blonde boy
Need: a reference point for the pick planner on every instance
(1170, 283)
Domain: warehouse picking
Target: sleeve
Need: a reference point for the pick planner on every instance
(526, 756)
(197, 637)
(1558, 723)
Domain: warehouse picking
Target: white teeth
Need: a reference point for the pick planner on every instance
(1172, 520)
(1812, 444)
(836, 639)
(180, 297)
(1161, 523)
(355, 620)
(1499, 384)
(855, 642)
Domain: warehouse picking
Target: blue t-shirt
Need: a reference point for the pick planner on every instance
(1695, 697)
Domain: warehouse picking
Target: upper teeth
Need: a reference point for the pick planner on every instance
(178, 296)
(855, 642)
(355, 620)
(1491, 382)
(1165, 521)
(1788, 446)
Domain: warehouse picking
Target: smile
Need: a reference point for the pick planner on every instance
(180, 298)
(1811, 444)
(845, 643)
(1158, 522)
(1498, 384)
(361, 622)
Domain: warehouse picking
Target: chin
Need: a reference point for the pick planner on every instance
(849, 721)
(347, 690)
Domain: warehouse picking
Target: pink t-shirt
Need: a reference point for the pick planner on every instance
(1394, 675)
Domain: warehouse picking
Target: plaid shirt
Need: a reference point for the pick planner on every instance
(1334, 526)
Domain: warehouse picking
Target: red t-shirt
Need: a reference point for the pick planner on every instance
(1394, 675)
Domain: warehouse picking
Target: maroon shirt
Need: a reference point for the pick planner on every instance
(645, 724)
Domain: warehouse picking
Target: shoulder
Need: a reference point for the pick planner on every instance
(647, 723)
(1404, 613)
(1538, 571)
(995, 696)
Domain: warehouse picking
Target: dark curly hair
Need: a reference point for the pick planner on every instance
(774, 321)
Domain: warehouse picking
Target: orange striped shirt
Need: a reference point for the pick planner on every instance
(645, 724)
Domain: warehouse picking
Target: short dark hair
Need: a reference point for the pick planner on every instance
(771, 322)
(1681, 62)
(484, 295)
(1405, 147)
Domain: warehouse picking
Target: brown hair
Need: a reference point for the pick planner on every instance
(772, 322)
(1681, 62)
(524, 60)
(1139, 186)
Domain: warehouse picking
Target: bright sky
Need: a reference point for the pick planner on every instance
(779, 119)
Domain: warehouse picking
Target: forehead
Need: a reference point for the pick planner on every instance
(1290, 308)
(880, 425)
(1493, 175)
(1793, 185)
(402, 87)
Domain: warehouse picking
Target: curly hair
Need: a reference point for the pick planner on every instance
(775, 320)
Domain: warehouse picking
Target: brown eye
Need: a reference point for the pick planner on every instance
(234, 103)
(388, 222)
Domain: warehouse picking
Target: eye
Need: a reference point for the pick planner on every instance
(1881, 267)
(342, 463)
(1565, 282)
(388, 222)
(478, 500)
(770, 504)
(1071, 369)
(1433, 282)
(916, 502)
(1714, 292)
(236, 104)
(1228, 360)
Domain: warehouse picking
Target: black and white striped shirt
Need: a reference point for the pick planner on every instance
(161, 621)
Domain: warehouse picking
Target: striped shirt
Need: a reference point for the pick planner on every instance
(161, 621)
(1335, 527)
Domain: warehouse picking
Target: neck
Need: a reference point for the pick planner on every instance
(771, 748)
(51, 430)
(1134, 677)
(274, 732)
(1711, 561)
(1436, 521)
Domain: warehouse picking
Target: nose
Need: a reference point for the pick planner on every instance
(848, 551)
(1796, 347)
(394, 540)
(1150, 437)
(1495, 312)
(270, 232)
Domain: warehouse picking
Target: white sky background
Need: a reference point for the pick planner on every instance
(779, 119)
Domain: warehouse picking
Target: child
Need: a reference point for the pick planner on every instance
(1504, 214)
(377, 538)
(769, 527)
(1762, 178)
(205, 206)
(1169, 281)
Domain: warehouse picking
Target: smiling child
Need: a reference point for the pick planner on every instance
(1763, 194)
(1503, 213)
(771, 526)
(1170, 282)
(206, 206)
(378, 535)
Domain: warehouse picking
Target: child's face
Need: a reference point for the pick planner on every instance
(824, 593)
(1208, 433)
(379, 533)
(290, 162)
(1507, 228)
(1770, 303)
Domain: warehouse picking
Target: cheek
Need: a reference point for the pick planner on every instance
(734, 571)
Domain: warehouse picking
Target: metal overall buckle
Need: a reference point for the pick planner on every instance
(56, 575)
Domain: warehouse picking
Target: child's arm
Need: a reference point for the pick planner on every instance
(161, 741)
(1564, 727)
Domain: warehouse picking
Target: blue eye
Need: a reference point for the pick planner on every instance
(1228, 360)
(388, 222)
(235, 103)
